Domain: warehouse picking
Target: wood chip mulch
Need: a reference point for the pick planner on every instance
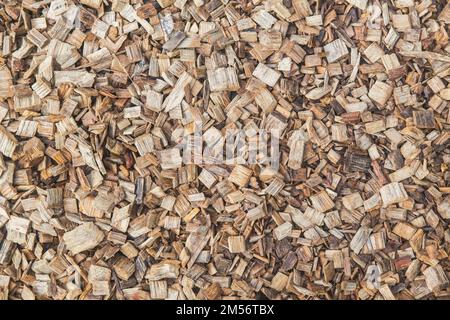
(98, 202)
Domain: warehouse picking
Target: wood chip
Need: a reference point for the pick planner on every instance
(84, 237)
(236, 244)
(393, 193)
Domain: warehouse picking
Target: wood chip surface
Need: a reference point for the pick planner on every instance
(224, 149)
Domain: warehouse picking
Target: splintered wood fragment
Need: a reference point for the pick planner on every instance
(436, 278)
(318, 93)
(377, 241)
(207, 178)
(274, 187)
(445, 94)
(41, 87)
(79, 78)
(404, 230)
(17, 229)
(279, 281)
(426, 55)
(100, 28)
(335, 50)
(84, 237)
(264, 19)
(302, 8)
(39, 23)
(172, 222)
(282, 231)
(444, 208)
(92, 3)
(158, 289)
(322, 201)
(5, 82)
(8, 142)
(352, 201)
(361, 4)
(146, 11)
(124, 268)
(174, 41)
(401, 174)
(375, 126)
(4, 217)
(144, 144)
(386, 292)
(339, 132)
(37, 38)
(163, 270)
(255, 213)
(296, 154)
(266, 74)
(401, 22)
(213, 291)
(445, 14)
(177, 94)
(393, 193)
(240, 175)
(314, 20)
(4, 287)
(99, 277)
(132, 112)
(360, 239)
(223, 79)
(134, 52)
(392, 66)
(374, 52)
(424, 119)
(380, 92)
(236, 244)
(55, 197)
(6, 251)
(170, 158)
(436, 84)
(154, 100)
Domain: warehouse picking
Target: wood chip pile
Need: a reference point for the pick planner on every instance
(97, 202)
